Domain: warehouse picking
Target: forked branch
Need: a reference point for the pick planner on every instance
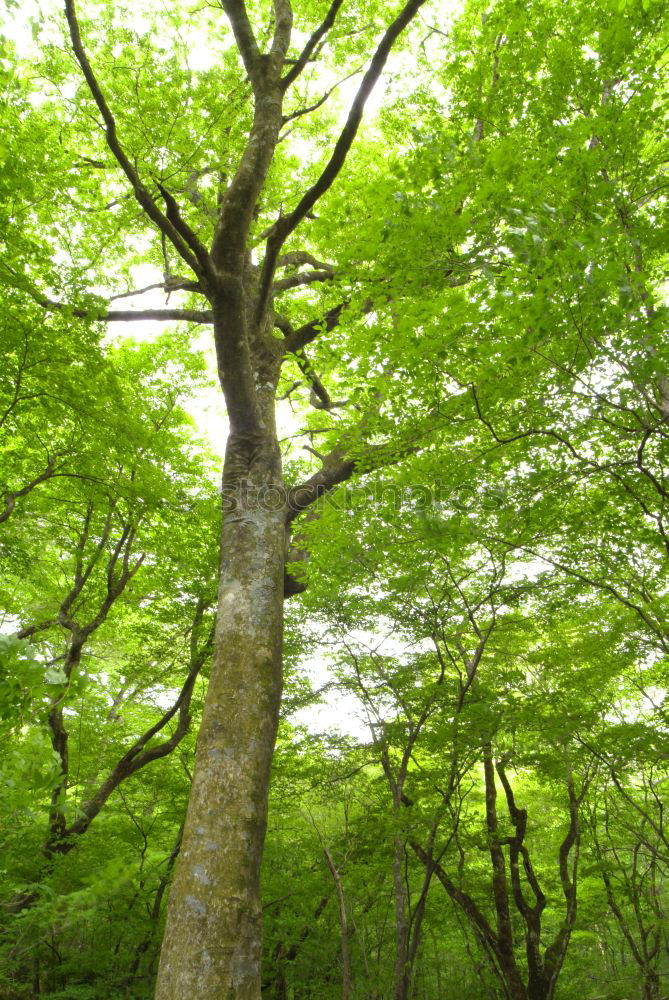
(245, 38)
(286, 225)
(308, 50)
(182, 238)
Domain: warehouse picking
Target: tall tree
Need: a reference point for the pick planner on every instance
(212, 941)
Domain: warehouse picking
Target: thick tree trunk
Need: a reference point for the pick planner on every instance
(213, 937)
(540, 988)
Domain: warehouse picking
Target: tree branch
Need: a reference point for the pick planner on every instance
(296, 258)
(246, 41)
(283, 24)
(138, 756)
(189, 249)
(204, 316)
(285, 226)
(313, 41)
(171, 284)
(482, 928)
(302, 278)
(337, 468)
(11, 496)
(300, 112)
(556, 951)
(295, 340)
(345, 967)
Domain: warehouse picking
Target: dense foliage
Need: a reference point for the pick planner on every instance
(476, 356)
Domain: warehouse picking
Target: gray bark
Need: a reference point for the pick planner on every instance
(213, 940)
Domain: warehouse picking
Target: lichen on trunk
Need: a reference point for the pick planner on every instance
(212, 945)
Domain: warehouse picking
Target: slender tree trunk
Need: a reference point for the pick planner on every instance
(651, 985)
(343, 923)
(281, 986)
(401, 970)
(500, 892)
(154, 915)
(213, 941)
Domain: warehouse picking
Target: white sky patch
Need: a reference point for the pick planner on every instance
(343, 712)
(207, 409)
(340, 712)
